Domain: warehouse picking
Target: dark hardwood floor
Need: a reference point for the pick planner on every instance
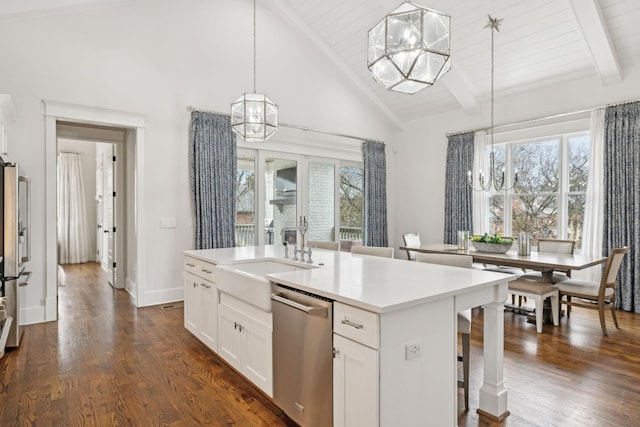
(106, 363)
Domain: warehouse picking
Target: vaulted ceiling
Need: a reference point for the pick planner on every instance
(540, 43)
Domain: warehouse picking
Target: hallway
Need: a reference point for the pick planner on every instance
(105, 363)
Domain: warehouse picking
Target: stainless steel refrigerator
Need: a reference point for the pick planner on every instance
(15, 242)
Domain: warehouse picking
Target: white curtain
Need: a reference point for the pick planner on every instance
(480, 208)
(593, 216)
(74, 240)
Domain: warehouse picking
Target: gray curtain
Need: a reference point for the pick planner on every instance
(375, 194)
(212, 158)
(622, 197)
(458, 197)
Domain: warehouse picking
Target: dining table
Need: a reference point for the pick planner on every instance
(545, 262)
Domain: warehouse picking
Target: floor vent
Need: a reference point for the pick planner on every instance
(177, 305)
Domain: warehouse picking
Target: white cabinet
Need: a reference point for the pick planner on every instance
(355, 367)
(209, 315)
(201, 301)
(245, 340)
(355, 384)
(192, 306)
(230, 334)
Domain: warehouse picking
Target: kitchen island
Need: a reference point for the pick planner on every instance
(406, 367)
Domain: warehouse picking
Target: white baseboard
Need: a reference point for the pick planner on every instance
(38, 314)
(32, 315)
(164, 296)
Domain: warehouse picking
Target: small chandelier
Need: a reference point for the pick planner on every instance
(409, 48)
(254, 116)
(486, 183)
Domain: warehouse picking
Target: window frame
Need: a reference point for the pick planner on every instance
(302, 194)
(562, 194)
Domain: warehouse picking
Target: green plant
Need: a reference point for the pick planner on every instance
(486, 238)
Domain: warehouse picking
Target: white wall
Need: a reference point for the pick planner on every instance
(87, 151)
(422, 146)
(156, 58)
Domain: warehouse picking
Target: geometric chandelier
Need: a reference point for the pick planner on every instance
(254, 116)
(409, 48)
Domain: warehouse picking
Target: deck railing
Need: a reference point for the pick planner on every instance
(246, 234)
(351, 233)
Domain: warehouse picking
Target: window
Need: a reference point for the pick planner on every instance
(548, 200)
(245, 201)
(280, 198)
(277, 188)
(351, 203)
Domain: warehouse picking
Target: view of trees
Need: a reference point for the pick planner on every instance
(535, 198)
(351, 196)
(245, 196)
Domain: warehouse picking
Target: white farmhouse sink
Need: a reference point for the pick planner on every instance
(246, 280)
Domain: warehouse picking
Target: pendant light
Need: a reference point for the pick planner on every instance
(493, 181)
(254, 116)
(409, 48)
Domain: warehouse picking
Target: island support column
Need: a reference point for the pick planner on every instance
(493, 394)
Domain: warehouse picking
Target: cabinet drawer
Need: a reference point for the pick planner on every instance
(359, 325)
(190, 265)
(202, 269)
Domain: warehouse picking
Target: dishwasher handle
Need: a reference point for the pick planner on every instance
(310, 310)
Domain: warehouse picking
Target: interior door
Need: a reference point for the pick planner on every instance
(110, 218)
(99, 206)
(99, 231)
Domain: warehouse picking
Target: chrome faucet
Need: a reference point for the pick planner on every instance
(303, 226)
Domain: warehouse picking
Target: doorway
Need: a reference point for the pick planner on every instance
(88, 213)
(133, 145)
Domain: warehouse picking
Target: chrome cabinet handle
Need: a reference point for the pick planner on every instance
(336, 352)
(352, 324)
(238, 326)
(190, 265)
(206, 271)
(195, 285)
(205, 285)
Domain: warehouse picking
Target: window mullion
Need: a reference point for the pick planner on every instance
(563, 188)
(508, 194)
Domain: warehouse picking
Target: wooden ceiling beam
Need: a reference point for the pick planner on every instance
(594, 28)
(461, 90)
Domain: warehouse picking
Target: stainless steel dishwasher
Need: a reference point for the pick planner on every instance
(303, 356)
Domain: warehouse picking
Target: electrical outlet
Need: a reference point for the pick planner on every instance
(411, 351)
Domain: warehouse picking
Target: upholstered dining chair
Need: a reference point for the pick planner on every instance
(373, 250)
(411, 239)
(324, 244)
(538, 291)
(555, 246)
(464, 317)
(593, 294)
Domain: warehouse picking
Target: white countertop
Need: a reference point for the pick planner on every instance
(371, 283)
